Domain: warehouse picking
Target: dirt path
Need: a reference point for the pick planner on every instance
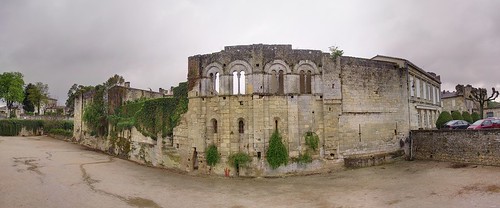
(44, 172)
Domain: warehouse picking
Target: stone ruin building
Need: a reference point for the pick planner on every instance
(239, 96)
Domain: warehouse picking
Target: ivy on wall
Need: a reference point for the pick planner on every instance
(277, 154)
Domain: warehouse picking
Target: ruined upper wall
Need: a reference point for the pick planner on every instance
(257, 56)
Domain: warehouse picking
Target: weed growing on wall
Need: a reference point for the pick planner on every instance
(239, 159)
(212, 155)
(312, 140)
(277, 154)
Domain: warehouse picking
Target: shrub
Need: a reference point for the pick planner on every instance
(277, 154)
(456, 115)
(443, 118)
(304, 158)
(62, 132)
(467, 117)
(212, 155)
(312, 140)
(475, 116)
(239, 159)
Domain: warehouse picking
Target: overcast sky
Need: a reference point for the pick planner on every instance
(147, 42)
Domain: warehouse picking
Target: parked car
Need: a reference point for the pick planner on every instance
(487, 123)
(456, 124)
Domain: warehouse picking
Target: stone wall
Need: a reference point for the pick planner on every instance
(462, 146)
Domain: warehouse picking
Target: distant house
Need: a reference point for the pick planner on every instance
(48, 106)
(492, 112)
(457, 101)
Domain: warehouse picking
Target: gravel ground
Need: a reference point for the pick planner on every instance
(44, 172)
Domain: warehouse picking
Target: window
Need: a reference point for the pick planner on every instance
(424, 95)
(305, 82)
(216, 84)
(241, 127)
(214, 125)
(273, 82)
(418, 87)
(412, 87)
(489, 114)
(281, 89)
(302, 83)
(308, 82)
(239, 82)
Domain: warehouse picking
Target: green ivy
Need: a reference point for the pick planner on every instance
(62, 132)
(312, 140)
(303, 158)
(212, 155)
(277, 154)
(154, 116)
(239, 159)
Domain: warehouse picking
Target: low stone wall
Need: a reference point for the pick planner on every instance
(463, 146)
(367, 160)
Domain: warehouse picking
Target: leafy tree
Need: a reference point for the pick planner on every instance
(444, 117)
(277, 154)
(73, 93)
(456, 115)
(39, 95)
(466, 116)
(11, 88)
(475, 116)
(115, 79)
(212, 155)
(28, 106)
(480, 95)
(335, 52)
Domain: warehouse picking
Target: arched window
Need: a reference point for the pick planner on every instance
(273, 82)
(216, 84)
(302, 77)
(241, 127)
(235, 83)
(242, 83)
(211, 83)
(281, 81)
(276, 125)
(214, 126)
(308, 82)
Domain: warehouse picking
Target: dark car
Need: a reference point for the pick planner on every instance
(456, 124)
(487, 123)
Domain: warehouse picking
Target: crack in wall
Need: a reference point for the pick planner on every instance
(132, 201)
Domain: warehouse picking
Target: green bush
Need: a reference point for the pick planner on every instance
(467, 117)
(62, 132)
(312, 140)
(456, 115)
(212, 155)
(277, 154)
(12, 127)
(239, 159)
(303, 158)
(443, 118)
(475, 116)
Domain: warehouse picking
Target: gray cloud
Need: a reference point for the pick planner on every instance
(86, 41)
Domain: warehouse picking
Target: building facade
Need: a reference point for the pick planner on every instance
(239, 96)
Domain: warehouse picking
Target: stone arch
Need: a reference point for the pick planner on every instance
(276, 64)
(212, 78)
(213, 68)
(306, 65)
(276, 72)
(239, 71)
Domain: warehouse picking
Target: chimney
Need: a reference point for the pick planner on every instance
(127, 84)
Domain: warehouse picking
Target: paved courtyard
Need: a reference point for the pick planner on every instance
(44, 172)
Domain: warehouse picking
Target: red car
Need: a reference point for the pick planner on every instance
(487, 123)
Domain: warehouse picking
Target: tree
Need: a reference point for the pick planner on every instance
(11, 88)
(456, 115)
(73, 92)
(475, 117)
(443, 118)
(115, 79)
(277, 154)
(335, 52)
(28, 106)
(467, 117)
(39, 95)
(480, 95)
